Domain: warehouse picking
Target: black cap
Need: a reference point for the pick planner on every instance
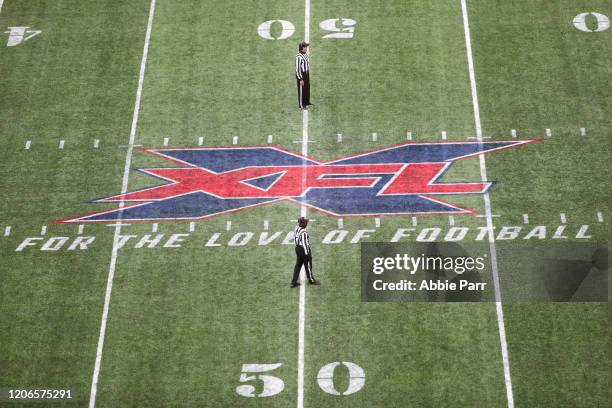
(303, 45)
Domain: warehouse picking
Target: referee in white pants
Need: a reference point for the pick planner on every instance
(303, 254)
(302, 75)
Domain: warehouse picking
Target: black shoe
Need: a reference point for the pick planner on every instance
(295, 285)
(310, 104)
(314, 282)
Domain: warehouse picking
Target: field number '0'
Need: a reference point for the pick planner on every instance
(338, 28)
(274, 385)
(603, 22)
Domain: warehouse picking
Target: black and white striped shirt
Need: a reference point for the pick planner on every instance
(302, 65)
(302, 239)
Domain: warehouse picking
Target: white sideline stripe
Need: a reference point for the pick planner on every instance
(525, 218)
(96, 143)
(599, 217)
(408, 135)
(124, 187)
(487, 201)
(563, 218)
(61, 144)
(303, 213)
(43, 230)
(28, 144)
(7, 230)
(200, 141)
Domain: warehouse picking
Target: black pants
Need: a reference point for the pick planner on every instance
(304, 91)
(302, 259)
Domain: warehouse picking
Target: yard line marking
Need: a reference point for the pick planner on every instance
(28, 144)
(340, 223)
(599, 217)
(582, 131)
(377, 222)
(166, 140)
(451, 220)
(548, 132)
(487, 201)
(43, 230)
(513, 133)
(154, 227)
(116, 224)
(1, 3)
(303, 213)
(191, 226)
(7, 231)
(228, 225)
(339, 137)
(374, 136)
(81, 228)
(408, 135)
(124, 187)
(96, 143)
(61, 144)
(414, 221)
(444, 135)
(270, 139)
(563, 218)
(486, 216)
(235, 140)
(266, 225)
(525, 218)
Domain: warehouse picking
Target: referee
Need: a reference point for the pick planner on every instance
(302, 69)
(303, 254)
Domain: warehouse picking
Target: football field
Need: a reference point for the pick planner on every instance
(154, 163)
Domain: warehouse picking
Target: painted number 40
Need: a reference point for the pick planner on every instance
(271, 385)
(337, 28)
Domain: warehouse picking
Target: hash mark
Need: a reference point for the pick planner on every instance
(414, 221)
(513, 133)
(451, 220)
(43, 230)
(191, 226)
(200, 141)
(339, 137)
(548, 132)
(525, 218)
(166, 140)
(583, 131)
(599, 216)
(374, 136)
(28, 144)
(377, 222)
(154, 227)
(485, 216)
(7, 231)
(270, 139)
(266, 225)
(235, 140)
(61, 144)
(96, 143)
(408, 135)
(81, 227)
(228, 225)
(444, 135)
(563, 219)
(340, 223)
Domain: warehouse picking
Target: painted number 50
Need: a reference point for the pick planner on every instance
(271, 385)
(343, 28)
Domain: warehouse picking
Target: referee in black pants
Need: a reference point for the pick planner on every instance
(303, 254)
(302, 70)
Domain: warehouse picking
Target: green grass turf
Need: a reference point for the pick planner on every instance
(184, 320)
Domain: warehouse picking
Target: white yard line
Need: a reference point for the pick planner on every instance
(487, 201)
(124, 188)
(303, 213)
(1, 4)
